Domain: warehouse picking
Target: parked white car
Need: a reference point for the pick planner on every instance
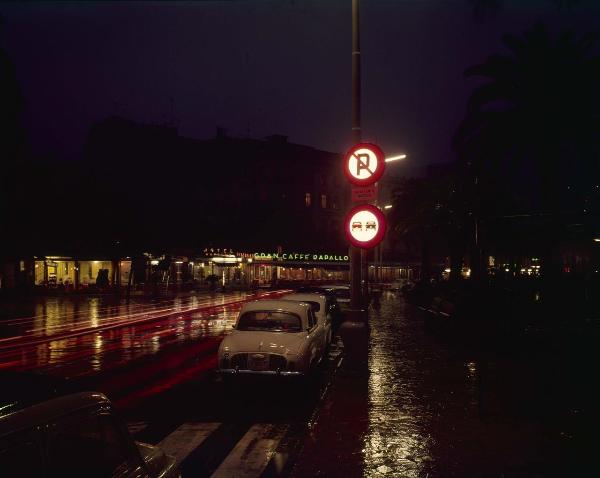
(274, 337)
(342, 293)
(319, 305)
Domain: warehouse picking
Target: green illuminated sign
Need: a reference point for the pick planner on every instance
(300, 257)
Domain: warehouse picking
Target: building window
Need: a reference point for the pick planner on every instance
(323, 201)
(307, 199)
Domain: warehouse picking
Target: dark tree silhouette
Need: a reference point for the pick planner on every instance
(534, 122)
(12, 141)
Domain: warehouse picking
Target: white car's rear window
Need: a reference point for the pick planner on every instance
(266, 320)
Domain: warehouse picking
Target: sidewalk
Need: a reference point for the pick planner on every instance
(335, 442)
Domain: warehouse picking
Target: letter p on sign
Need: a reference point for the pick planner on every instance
(364, 164)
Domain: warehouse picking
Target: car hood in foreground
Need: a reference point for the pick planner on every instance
(269, 342)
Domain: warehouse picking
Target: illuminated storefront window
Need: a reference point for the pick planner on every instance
(61, 272)
(307, 199)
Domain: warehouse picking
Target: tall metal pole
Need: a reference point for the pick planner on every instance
(355, 252)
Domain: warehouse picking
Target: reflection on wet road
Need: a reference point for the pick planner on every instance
(442, 405)
(439, 404)
(77, 337)
(397, 441)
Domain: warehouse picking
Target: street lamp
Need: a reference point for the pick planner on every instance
(395, 158)
(388, 206)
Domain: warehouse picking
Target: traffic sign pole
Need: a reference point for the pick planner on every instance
(355, 253)
(355, 329)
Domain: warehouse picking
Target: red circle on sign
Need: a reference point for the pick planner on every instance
(365, 226)
(364, 164)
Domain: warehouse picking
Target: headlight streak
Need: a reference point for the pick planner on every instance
(89, 350)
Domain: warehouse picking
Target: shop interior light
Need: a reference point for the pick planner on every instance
(226, 260)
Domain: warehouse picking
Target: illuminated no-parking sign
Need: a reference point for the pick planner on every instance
(364, 164)
(365, 226)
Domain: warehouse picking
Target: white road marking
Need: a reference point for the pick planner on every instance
(252, 453)
(186, 439)
(136, 427)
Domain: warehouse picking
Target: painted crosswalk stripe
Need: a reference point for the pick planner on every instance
(252, 453)
(186, 438)
(136, 427)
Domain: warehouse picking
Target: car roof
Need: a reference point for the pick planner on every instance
(319, 289)
(305, 296)
(300, 308)
(24, 418)
(339, 287)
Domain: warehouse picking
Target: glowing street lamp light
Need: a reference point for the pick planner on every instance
(395, 158)
(388, 206)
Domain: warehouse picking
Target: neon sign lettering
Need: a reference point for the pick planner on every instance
(296, 256)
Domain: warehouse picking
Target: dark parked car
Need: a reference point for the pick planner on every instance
(44, 433)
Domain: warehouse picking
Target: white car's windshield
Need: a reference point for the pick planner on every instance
(268, 320)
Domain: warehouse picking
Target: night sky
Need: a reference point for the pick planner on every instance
(258, 68)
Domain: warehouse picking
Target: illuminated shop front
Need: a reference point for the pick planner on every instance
(213, 267)
(67, 272)
(225, 266)
(290, 267)
(393, 273)
(232, 268)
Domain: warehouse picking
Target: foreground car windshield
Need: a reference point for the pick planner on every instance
(275, 321)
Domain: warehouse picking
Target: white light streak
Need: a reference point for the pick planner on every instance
(395, 158)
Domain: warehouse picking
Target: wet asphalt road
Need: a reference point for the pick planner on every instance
(442, 402)
(156, 362)
(435, 404)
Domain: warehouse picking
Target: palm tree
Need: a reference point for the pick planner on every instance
(533, 121)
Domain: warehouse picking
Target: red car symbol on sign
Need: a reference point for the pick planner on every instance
(357, 225)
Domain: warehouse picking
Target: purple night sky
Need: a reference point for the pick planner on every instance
(258, 68)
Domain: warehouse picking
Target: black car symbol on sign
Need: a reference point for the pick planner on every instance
(357, 225)
(371, 225)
